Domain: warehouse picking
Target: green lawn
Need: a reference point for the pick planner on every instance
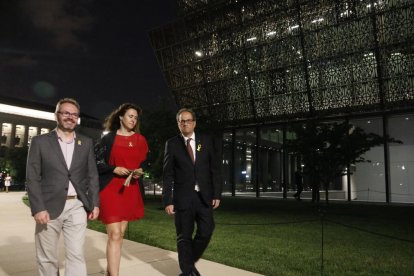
(284, 237)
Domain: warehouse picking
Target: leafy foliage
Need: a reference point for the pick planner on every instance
(157, 126)
(328, 148)
(14, 161)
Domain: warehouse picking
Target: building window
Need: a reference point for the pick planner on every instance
(19, 136)
(368, 179)
(6, 130)
(227, 162)
(44, 130)
(270, 158)
(33, 131)
(244, 165)
(401, 158)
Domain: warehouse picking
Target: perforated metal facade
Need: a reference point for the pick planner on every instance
(252, 61)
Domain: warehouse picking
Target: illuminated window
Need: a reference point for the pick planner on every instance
(19, 136)
(33, 131)
(6, 134)
(44, 130)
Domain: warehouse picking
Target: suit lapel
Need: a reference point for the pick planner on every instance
(54, 143)
(76, 150)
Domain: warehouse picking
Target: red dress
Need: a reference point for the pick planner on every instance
(119, 202)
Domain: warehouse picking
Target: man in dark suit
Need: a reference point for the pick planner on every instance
(63, 189)
(191, 189)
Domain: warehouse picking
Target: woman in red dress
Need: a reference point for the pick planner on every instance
(119, 156)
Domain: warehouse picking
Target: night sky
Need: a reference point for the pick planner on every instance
(96, 51)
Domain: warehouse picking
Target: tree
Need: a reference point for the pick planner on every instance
(157, 126)
(14, 161)
(328, 148)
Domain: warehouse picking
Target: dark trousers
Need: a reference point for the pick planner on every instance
(299, 191)
(190, 249)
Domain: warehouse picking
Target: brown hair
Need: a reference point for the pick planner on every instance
(112, 122)
(67, 100)
(185, 110)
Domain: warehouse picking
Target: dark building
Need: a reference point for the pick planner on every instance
(258, 67)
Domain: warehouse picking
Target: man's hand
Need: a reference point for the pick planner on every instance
(170, 209)
(94, 214)
(216, 203)
(42, 217)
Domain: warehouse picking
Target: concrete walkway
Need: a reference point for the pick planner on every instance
(17, 254)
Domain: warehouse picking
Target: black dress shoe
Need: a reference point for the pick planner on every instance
(195, 272)
(192, 273)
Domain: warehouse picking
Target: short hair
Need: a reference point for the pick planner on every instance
(67, 100)
(189, 110)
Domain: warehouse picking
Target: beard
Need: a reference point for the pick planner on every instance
(67, 124)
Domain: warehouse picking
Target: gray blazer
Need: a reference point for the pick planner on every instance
(47, 175)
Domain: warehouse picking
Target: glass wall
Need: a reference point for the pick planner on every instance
(245, 162)
(264, 169)
(402, 158)
(270, 161)
(227, 163)
(293, 164)
(368, 178)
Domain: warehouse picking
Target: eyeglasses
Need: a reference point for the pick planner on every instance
(183, 122)
(66, 114)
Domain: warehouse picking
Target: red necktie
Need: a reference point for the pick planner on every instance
(190, 149)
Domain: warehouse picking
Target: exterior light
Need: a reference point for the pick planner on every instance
(345, 13)
(293, 27)
(198, 53)
(317, 20)
(27, 112)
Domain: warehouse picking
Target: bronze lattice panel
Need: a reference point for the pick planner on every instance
(249, 61)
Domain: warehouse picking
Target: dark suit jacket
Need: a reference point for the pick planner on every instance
(102, 153)
(48, 176)
(180, 174)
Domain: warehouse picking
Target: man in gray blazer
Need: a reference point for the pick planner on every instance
(63, 189)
